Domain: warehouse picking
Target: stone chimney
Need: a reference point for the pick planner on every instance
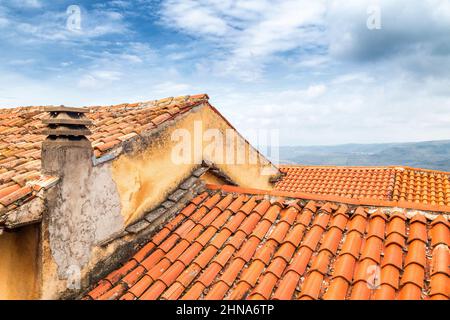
(66, 153)
(66, 140)
(81, 210)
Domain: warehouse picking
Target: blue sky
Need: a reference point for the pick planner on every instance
(312, 69)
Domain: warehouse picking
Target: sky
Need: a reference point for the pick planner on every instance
(319, 72)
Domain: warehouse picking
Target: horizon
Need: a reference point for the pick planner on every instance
(368, 143)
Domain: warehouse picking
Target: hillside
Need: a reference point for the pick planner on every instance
(430, 155)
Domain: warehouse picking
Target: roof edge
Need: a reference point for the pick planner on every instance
(395, 167)
(332, 198)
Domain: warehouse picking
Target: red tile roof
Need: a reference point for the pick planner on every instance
(428, 189)
(234, 243)
(422, 186)
(21, 139)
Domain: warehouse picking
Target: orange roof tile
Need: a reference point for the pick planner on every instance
(252, 245)
(397, 184)
(21, 139)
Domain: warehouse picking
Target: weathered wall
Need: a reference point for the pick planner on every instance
(18, 264)
(83, 210)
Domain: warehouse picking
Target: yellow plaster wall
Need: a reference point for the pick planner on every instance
(18, 264)
(209, 178)
(245, 173)
(145, 179)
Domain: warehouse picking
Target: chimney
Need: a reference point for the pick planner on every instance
(66, 139)
(67, 226)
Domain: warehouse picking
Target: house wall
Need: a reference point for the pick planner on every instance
(18, 264)
(209, 178)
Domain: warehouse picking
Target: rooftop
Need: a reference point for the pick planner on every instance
(393, 186)
(21, 139)
(321, 233)
(235, 243)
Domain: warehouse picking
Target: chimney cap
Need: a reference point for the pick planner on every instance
(64, 131)
(66, 122)
(66, 109)
(67, 118)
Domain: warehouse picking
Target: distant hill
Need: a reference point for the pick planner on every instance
(430, 155)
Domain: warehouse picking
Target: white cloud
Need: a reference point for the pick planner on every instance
(315, 91)
(106, 67)
(21, 62)
(169, 88)
(3, 22)
(25, 3)
(406, 27)
(194, 17)
(51, 26)
(359, 77)
(250, 32)
(99, 79)
(349, 112)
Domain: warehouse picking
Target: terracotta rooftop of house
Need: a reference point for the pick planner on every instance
(402, 186)
(21, 139)
(235, 243)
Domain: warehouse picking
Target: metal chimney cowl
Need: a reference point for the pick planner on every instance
(66, 143)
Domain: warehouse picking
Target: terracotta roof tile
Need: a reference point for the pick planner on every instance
(400, 186)
(279, 251)
(21, 139)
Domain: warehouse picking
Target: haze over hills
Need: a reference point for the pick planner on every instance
(429, 155)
